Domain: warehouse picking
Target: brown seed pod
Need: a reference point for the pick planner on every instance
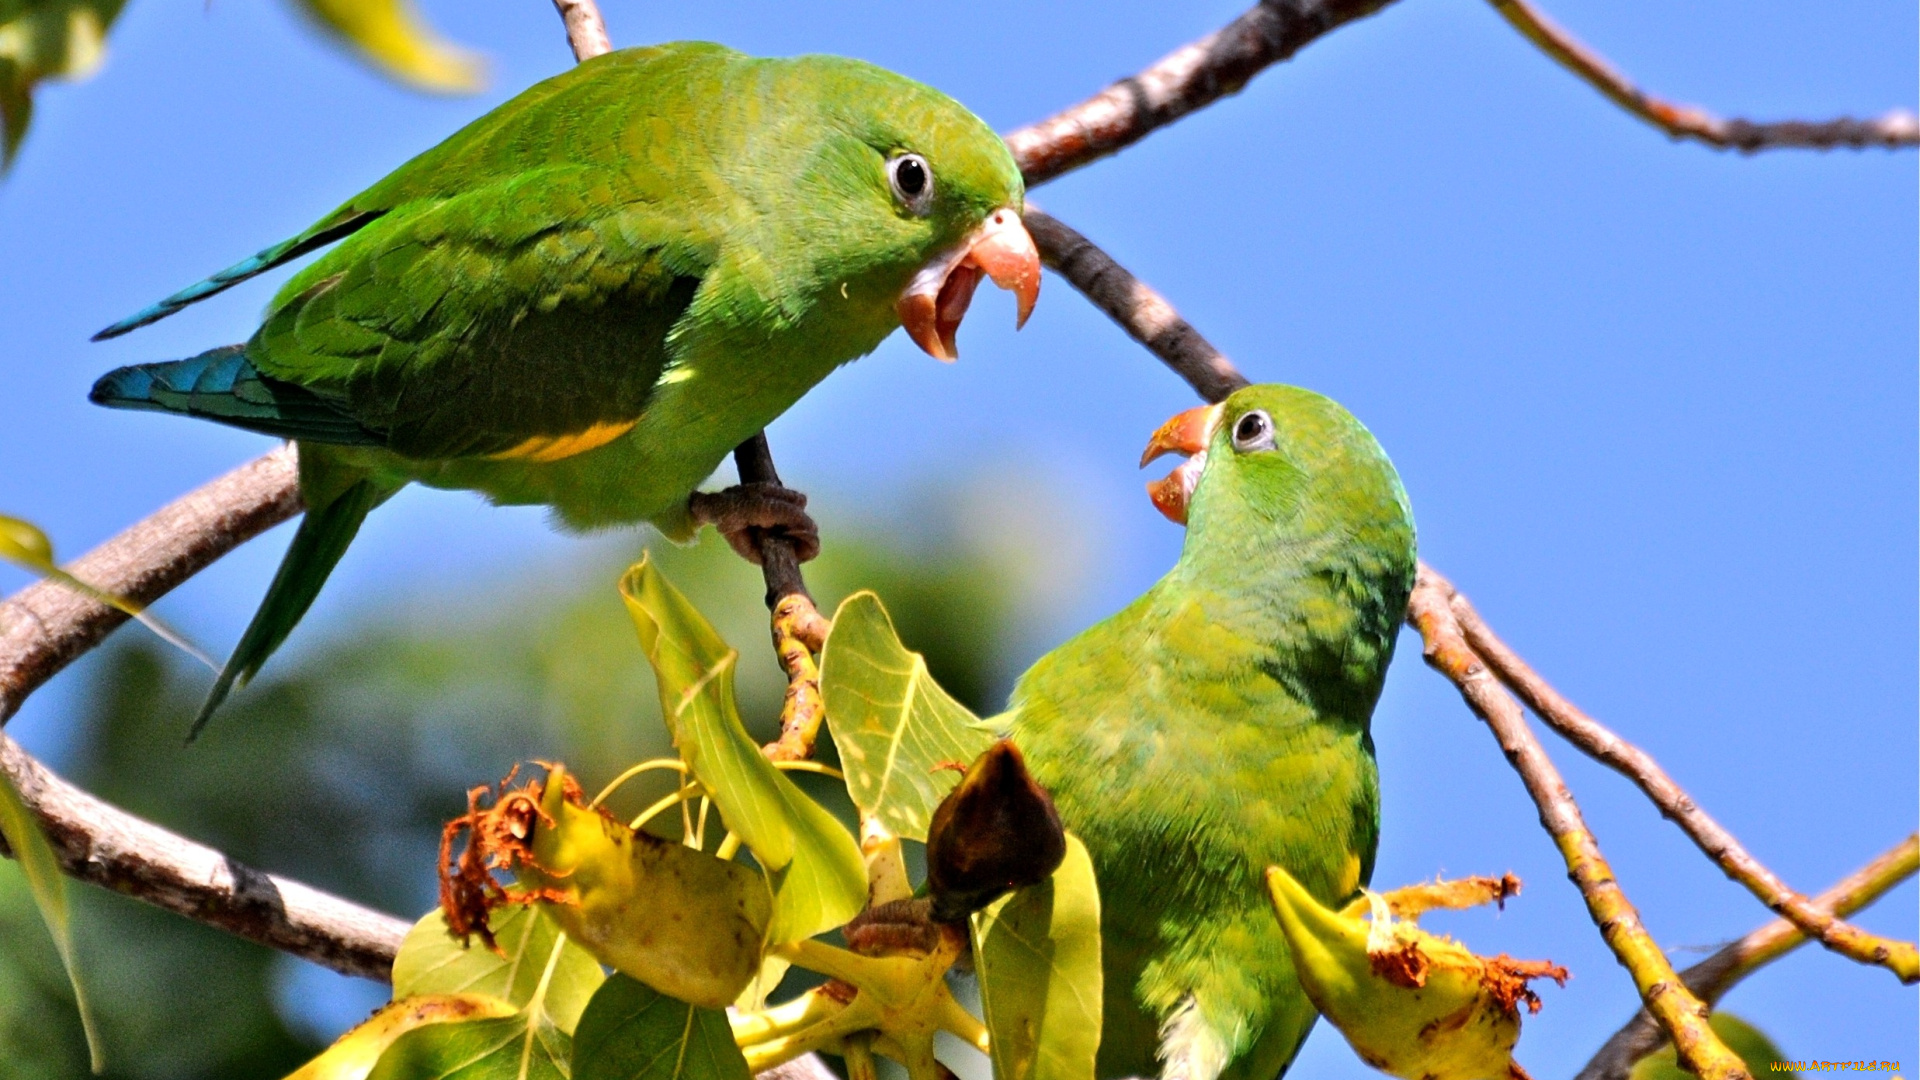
(995, 832)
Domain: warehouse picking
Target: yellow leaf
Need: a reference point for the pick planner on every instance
(46, 39)
(682, 921)
(23, 543)
(353, 1055)
(392, 34)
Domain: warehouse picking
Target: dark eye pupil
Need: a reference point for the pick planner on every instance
(1252, 426)
(911, 176)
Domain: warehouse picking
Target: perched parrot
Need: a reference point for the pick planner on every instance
(588, 296)
(1219, 724)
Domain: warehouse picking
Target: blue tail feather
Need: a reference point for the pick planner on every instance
(239, 272)
(223, 385)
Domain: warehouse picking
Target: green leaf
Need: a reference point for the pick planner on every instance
(1037, 952)
(518, 1047)
(45, 39)
(633, 1032)
(893, 724)
(432, 962)
(529, 1045)
(49, 888)
(392, 35)
(819, 879)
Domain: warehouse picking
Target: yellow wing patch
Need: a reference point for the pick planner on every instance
(1349, 882)
(549, 448)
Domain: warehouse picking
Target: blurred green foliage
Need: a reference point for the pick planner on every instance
(339, 766)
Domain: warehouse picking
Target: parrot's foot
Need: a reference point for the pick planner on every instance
(747, 513)
(799, 631)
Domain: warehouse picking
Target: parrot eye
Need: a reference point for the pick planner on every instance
(912, 180)
(1253, 431)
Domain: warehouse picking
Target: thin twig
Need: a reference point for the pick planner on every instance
(586, 30)
(1143, 313)
(1711, 978)
(46, 626)
(1188, 78)
(1667, 998)
(753, 460)
(111, 848)
(799, 630)
(1601, 744)
(1895, 129)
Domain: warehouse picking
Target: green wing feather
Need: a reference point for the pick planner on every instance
(465, 326)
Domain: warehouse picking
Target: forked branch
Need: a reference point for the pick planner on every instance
(1601, 744)
(1430, 611)
(1895, 129)
(1711, 978)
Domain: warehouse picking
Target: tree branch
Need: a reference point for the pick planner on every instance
(586, 30)
(1431, 612)
(48, 625)
(1601, 744)
(1188, 78)
(1895, 129)
(1711, 978)
(102, 844)
(1143, 313)
(109, 847)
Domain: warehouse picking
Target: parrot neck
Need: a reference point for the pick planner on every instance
(1319, 611)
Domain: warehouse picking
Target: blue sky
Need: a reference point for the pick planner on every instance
(1654, 404)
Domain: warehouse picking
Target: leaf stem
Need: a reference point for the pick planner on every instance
(645, 766)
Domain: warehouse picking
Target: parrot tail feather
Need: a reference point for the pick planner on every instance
(233, 275)
(324, 535)
(223, 385)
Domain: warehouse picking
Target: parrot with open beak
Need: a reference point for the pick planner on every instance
(587, 297)
(1219, 725)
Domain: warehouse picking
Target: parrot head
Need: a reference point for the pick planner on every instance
(921, 195)
(1277, 459)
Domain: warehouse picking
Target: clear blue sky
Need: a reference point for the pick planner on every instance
(1655, 405)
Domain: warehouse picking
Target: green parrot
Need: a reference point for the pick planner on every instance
(585, 298)
(1219, 724)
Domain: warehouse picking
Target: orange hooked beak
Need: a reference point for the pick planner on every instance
(1187, 433)
(937, 297)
